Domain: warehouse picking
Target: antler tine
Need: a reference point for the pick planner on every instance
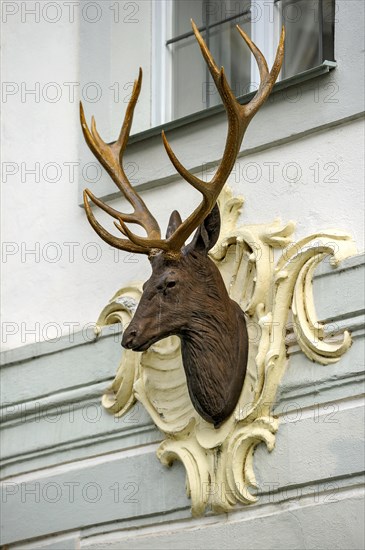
(217, 74)
(111, 157)
(122, 244)
(260, 59)
(184, 173)
(130, 218)
(142, 242)
(122, 140)
(267, 79)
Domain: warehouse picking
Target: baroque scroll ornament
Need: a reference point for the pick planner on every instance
(204, 338)
(266, 292)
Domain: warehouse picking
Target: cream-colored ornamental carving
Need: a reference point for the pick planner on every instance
(266, 291)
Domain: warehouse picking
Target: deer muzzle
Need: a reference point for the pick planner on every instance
(136, 339)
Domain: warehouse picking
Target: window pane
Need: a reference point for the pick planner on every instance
(303, 45)
(328, 20)
(192, 86)
(188, 78)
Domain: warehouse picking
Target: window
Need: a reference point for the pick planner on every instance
(189, 86)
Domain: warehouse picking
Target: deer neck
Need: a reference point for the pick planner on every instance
(214, 360)
(210, 336)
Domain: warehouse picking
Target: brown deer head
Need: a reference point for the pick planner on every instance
(186, 295)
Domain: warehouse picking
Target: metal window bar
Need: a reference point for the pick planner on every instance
(209, 26)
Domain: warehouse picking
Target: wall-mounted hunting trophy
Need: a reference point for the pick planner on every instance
(191, 357)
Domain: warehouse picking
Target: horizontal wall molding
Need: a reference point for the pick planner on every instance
(238, 528)
(173, 525)
(17, 355)
(292, 471)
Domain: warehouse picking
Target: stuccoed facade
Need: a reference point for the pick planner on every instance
(76, 476)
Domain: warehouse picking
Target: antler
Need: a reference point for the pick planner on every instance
(239, 116)
(111, 157)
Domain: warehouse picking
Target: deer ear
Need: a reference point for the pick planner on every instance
(174, 222)
(207, 233)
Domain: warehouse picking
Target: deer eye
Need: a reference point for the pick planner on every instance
(170, 284)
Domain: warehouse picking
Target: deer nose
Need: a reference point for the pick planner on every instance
(128, 338)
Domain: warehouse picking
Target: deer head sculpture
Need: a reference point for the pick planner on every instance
(186, 295)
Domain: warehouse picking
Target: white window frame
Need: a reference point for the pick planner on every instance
(161, 107)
